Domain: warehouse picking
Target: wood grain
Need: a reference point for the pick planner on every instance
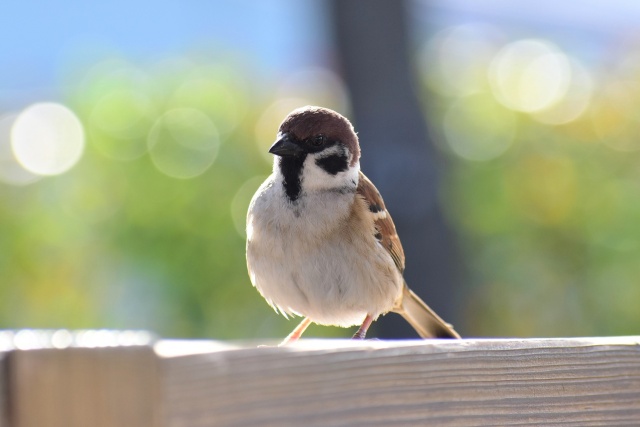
(112, 380)
(572, 382)
(115, 384)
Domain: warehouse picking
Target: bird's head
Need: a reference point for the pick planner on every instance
(317, 147)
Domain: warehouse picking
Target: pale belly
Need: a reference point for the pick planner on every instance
(337, 282)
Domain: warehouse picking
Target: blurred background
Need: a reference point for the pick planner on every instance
(133, 135)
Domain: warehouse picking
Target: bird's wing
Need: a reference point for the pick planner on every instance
(385, 228)
(424, 320)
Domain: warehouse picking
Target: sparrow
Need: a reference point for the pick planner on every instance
(320, 242)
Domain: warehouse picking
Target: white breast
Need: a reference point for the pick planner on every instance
(319, 258)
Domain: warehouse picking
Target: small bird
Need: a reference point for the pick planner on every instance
(320, 242)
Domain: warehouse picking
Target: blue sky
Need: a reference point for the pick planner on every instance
(38, 39)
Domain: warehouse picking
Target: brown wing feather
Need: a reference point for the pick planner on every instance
(385, 228)
(424, 320)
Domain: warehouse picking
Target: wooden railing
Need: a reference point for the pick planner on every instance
(129, 379)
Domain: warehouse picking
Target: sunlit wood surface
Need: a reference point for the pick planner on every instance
(146, 382)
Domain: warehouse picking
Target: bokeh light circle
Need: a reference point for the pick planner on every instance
(183, 143)
(529, 75)
(47, 138)
(120, 123)
(456, 59)
(478, 128)
(217, 91)
(575, 102)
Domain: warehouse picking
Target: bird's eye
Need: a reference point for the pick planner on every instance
(318, 140)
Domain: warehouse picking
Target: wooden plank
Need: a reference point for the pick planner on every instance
(551, 382)
(98, 380)
(6, 345)
(3, 393)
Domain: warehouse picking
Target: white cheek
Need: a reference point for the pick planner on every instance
(316, 178)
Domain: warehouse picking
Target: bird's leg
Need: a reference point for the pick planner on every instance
(297, 332)
(362, 332)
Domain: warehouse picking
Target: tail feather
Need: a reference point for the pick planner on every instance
(424, 320)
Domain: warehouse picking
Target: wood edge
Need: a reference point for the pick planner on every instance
(167, 349)
(30, 339)
(35, 339)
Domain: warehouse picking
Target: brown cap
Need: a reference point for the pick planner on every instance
(309, 121)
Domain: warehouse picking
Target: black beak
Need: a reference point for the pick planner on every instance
(284, 147)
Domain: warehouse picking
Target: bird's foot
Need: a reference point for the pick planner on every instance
(362, 332)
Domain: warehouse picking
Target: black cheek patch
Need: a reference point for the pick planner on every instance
(333, 164)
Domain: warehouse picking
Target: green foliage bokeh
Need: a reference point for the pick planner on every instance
(146, 231)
